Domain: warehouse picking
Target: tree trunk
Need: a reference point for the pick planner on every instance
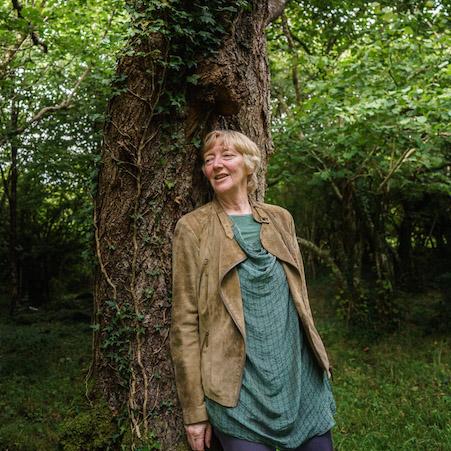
(350, 251)
(372, 219)
(12, 197)
(405, 251)
(149, 176)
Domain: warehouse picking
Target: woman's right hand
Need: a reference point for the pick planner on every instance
(199, 435)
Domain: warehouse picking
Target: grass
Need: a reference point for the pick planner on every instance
(392, 393)
(43, 359)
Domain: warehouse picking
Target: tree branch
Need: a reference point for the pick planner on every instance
(5, 181)
(302, 44)
(275, 8)
(65, 104)
(34, 36)
(396, 166)
(11, 53)
(294, 67)
(334, 185)
(358, 172)
(325, 256)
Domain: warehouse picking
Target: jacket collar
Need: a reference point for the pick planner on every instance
(271, 237)
(257, 212)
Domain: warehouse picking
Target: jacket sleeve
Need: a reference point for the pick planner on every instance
(298, 257)
(184, 331)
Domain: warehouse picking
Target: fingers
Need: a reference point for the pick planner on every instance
(198, 444)
(208, 432)
(197, 435)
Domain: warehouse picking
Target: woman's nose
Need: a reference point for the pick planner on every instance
(217, 162)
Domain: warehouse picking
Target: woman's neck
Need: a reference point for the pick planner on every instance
(237, 206)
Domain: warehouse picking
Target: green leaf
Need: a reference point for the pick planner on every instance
(193, 79)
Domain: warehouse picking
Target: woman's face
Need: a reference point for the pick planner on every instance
(225, 170)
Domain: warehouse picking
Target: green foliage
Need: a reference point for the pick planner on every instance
(78, 35)
(56, 152)
(382, 96)
(89, 430)
(391, 394)
(149, 443)
(45, 356)
(191, 31)
(120, 331)
(392, 389)
(374, 313)
(362, 157)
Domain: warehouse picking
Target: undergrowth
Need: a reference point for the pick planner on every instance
(392, 392)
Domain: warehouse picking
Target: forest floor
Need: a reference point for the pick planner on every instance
(392, 393)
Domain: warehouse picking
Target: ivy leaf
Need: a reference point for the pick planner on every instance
(193, 79)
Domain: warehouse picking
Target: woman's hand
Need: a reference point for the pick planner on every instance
(199, 435)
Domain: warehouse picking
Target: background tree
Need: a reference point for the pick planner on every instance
(55, 71)
(362, 140)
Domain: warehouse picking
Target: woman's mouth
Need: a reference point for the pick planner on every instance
(220, 176)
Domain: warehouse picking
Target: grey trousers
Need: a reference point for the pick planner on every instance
(317, 443)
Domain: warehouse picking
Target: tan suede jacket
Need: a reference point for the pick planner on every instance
(208, 336)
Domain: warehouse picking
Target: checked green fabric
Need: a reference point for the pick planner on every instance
(285, 397)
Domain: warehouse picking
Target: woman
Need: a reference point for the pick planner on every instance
(248, 360)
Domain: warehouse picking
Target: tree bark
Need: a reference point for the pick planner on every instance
(150, 176)
(324, 255)
(294, 60)
(12, 198)
(405, 251)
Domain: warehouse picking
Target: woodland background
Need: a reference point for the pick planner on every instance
(360, 113)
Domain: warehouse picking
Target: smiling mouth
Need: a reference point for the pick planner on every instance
(221, 176)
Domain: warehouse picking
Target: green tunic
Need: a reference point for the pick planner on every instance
(285, 397)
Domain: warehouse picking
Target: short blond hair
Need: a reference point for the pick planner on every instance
(244, 145)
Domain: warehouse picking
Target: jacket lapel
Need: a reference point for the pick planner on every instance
(273, 242)
(230, 255)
